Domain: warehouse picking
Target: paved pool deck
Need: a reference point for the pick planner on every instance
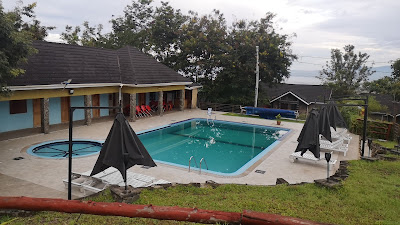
(38, 177)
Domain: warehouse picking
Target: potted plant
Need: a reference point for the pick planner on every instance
(278, 119)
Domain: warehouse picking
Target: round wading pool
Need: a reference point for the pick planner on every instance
(59, 149)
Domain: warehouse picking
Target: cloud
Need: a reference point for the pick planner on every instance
(371, 26)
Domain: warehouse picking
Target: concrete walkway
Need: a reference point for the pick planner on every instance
(38, 177)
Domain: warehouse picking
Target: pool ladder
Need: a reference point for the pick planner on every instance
(204, 162)
(210, 120)
(201, 160)
(192, 157)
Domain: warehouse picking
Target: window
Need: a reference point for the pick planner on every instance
(18, 106)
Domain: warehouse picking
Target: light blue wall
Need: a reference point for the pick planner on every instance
(79, 114)
(10, 122)
(104, 103)
(147, 98)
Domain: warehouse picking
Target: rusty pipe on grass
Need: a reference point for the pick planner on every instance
(146, 211)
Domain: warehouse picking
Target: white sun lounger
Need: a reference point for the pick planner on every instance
(336, 147)
(87, 185)
(340, 133)
(111, 176)
(295, 156)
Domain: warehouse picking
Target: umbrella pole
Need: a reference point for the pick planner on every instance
(328, 158)
(327, 173)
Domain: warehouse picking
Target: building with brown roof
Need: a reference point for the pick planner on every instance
(43, 94)
(299, 97)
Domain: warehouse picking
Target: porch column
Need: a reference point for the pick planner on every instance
(160, 103)
(87, 101)
(182, 99)
(44, 109)
(112, 102)
(194, 99)
(132, 108)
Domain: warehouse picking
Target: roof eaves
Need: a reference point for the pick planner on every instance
(290, 92)
(158, 84)
(58, 86)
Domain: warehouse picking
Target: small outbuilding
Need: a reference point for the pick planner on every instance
(298, 97)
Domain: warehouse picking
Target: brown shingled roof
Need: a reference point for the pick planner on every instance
(308, 93)
(55, 63)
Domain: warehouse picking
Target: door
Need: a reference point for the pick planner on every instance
(96, 102)
(37, 117)
(142, 99)
(65, 103)
(188, 99)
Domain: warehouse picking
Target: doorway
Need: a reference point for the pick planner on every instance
(65, 104)
(37, 117)
(142, 99)
(96, 102)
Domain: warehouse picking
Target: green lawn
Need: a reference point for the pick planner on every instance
(371, 195)
(386, 144)
(250, 116)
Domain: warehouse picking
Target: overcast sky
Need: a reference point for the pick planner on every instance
(320, 25)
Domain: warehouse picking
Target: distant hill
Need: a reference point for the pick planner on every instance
(309, 76)
(381, 71)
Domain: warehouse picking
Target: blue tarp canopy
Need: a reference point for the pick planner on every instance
(269, 113)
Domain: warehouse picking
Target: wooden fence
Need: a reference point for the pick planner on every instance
(220, 107)
(375, 129)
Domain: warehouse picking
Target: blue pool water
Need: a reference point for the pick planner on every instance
(228, 148)
(59, 149)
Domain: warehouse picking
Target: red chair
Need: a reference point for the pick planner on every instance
(139, 112)
(154, 105)
(144, 110)
(149, 108)
(170, 105)
(164, 106)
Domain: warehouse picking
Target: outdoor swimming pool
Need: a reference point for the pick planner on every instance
(228, 148)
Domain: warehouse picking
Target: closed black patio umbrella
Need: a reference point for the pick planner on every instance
(309, 135)
(335, 117)
(324, 123)
(122, 149)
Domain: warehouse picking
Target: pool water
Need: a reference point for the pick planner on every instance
(228, 148)
(59, 149)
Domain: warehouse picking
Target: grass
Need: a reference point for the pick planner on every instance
(257, 117)
(393, 156)
(386, 144)
(371, 195)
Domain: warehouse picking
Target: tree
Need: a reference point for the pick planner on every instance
(33, 27)
(203, 48)
(90, 36)
(165, 34)
(236, 82)
(396, 70)
(346, 71)
(16, 42)
(133, 27)
(380, 86)
(388, 84)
